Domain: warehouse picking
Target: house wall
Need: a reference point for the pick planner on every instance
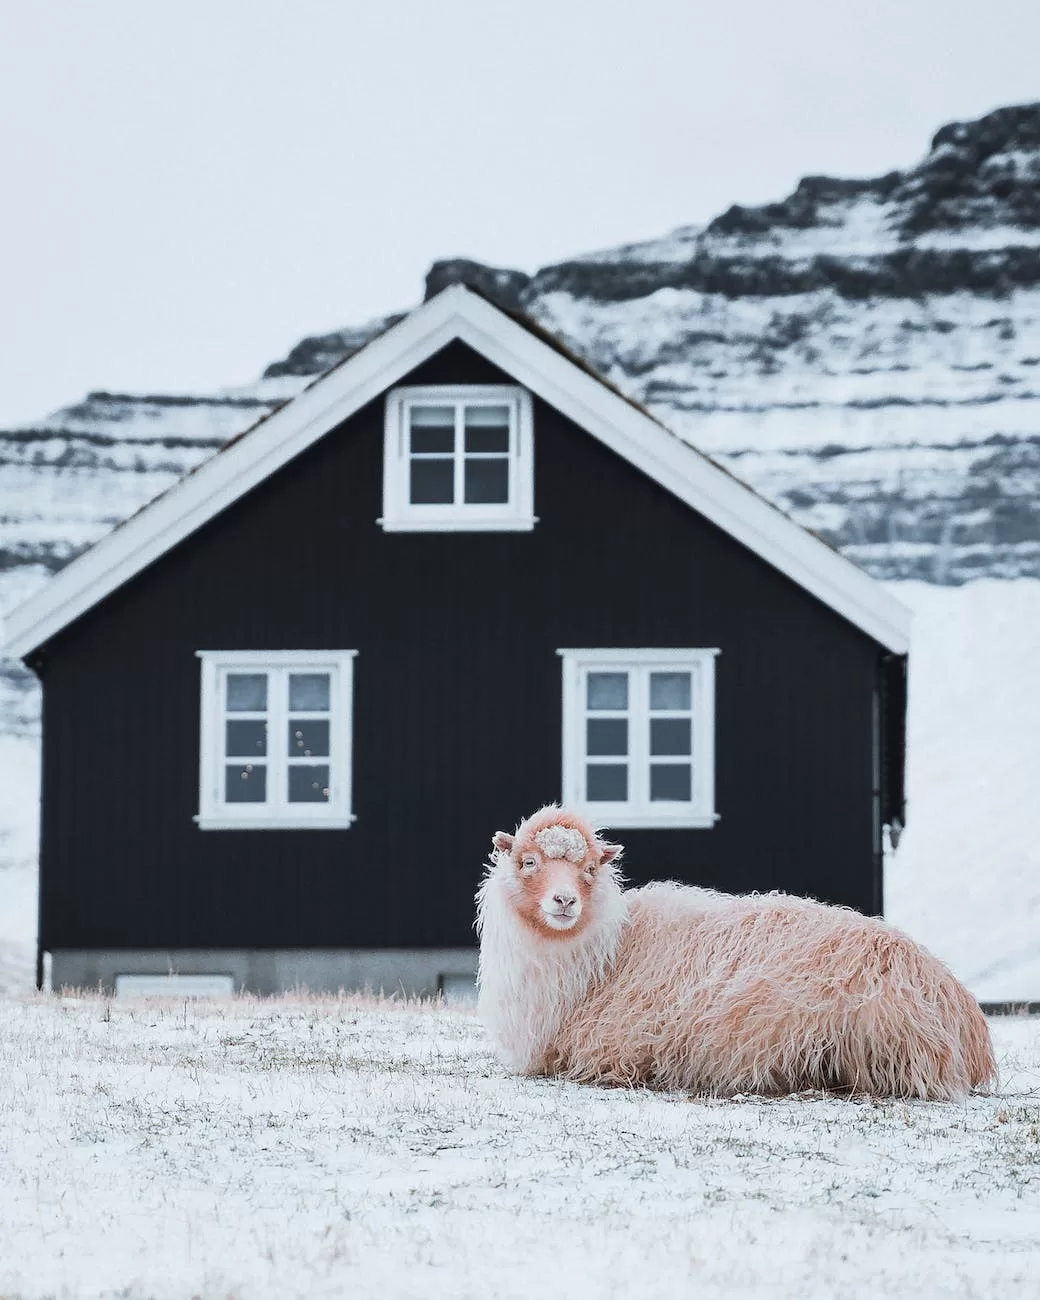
(457, 704)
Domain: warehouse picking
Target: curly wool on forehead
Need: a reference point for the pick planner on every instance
(552, 820)
(562, 842)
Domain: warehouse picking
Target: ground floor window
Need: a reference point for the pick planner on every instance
(639, 735)
(276, 739)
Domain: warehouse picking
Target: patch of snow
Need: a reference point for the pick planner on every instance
(981, 238)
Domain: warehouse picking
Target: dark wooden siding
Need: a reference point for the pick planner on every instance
(457, 703)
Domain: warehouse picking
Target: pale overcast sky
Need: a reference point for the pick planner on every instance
(188, 186)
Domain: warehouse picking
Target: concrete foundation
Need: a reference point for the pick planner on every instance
(412, 972)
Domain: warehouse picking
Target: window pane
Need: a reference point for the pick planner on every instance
(246, 692)
(608, 690)
(606, 782)
(670, 736)
(432, 482)
(670, 782)
(487, 482)
(433, 428)
(433, 416)
(308, 736)
(309, 692)
(245, 739)
(487, 416)
(308, 784)
(246, 783)
(669, 690)
(487, 428)
(606, 736)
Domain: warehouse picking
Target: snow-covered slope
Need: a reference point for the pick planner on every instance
(966, 878)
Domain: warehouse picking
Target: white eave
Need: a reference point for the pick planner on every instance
(458, 313)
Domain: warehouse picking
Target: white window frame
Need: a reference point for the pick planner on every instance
(276, 813)
(638, 810)
(400, 515)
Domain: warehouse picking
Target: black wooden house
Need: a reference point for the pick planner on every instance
(286, 706)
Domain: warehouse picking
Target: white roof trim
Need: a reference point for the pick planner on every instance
(459, 313)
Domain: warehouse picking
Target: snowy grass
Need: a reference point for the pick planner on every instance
(338, 1147)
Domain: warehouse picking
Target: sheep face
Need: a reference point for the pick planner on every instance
(552, 875)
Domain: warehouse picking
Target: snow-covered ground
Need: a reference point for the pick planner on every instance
(335, 1148)
(966, 877)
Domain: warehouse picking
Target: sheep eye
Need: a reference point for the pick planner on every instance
(529, 862)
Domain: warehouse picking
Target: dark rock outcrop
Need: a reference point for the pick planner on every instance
(320, 352)
(502, 286)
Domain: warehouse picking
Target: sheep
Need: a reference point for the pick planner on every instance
(681, 988)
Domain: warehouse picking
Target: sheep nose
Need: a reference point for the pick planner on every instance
(564, 900)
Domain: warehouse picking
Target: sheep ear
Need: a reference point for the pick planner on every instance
(608, 852)
(503, 842)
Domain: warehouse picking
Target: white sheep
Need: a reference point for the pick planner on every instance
(676, 987)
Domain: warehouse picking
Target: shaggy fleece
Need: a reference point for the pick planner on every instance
(676, 987)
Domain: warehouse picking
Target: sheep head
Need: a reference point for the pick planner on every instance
(554, 864)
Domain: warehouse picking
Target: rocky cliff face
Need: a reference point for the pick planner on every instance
(866, 353)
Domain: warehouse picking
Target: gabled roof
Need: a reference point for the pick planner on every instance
(534, 360)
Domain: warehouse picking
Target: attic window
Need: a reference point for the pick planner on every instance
(275, 739)
(458, 458)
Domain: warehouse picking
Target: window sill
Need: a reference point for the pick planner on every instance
(222, 823)
(459, 524)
